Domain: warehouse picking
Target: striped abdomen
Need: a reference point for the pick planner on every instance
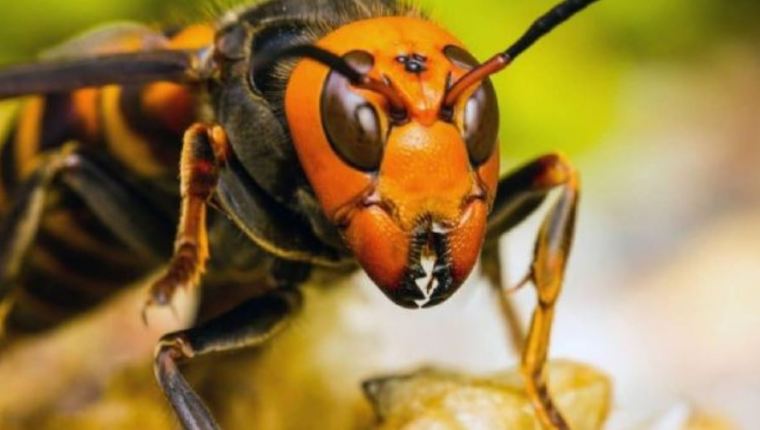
(133, 134)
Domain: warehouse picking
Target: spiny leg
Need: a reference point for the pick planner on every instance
(547, 274)
(516, 199)
(247, 325)
(20, 225)
(204, 150)
(520, 194)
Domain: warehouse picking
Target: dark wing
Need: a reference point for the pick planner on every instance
(121, 69)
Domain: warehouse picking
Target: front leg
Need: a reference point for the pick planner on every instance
(205, 149)
(247, 325)
(520, 194)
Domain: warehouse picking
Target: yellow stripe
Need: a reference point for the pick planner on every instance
(27, 142)
(86, 106)
(5, 308)
(7, 112)
(125, 144)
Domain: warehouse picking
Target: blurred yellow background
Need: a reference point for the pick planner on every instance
(658, 102)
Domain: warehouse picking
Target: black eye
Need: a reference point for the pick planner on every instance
(479, 118)
(351, 123)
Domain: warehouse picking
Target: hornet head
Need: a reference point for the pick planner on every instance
(405, 175)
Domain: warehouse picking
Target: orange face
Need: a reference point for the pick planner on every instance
(406, 186)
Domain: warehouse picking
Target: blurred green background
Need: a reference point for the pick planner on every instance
(564, 94)
(658, 102)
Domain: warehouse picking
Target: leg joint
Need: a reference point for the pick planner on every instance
(173, 347)
(556, 169)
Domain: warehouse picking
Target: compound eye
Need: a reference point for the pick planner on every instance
(478, 119)
(480, 123)
(352, 124)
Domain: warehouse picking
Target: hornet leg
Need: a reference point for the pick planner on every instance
(518, 195)
(204, 150)
(516, 199)
(249, 324)
(19, 227)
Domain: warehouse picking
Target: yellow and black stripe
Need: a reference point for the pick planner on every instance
(76, 261)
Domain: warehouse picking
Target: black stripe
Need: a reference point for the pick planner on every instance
(8, 170)
(165, 144)
(24, 318)
(97, 267)
(59, 122)
(58, 292)
(83, 217)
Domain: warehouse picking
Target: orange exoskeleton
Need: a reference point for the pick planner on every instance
(332, 133)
